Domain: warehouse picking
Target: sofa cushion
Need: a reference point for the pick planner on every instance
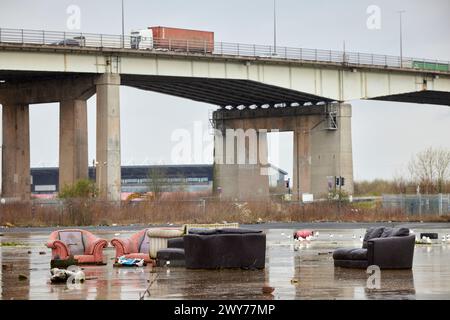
(176, 243)
(144, 246)
(74, 241)
(395, 232)
(350, 254)
(165, 232)
(237, 231)
(202, 231)
(372, 233)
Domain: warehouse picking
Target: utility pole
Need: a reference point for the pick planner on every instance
(401, 37)
(275, 27)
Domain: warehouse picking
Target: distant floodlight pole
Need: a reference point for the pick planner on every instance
(401, 37)
(275, 26)
(123, 26)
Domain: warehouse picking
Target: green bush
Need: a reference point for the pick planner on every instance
(81, 189)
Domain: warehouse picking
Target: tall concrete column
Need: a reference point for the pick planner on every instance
(108, 136)
(73, 142)
(331, 153)
(240, 168)
(302, 157)
(16, 176)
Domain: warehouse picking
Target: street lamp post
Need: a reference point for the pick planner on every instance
(123, 26)
(275, 27)
(401, 37)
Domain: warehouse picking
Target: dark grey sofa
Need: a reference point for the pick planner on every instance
(388, 248)
(225, 248)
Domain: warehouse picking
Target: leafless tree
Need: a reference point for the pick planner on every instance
(430, 169)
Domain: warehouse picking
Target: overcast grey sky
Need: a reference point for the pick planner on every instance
(385, 135)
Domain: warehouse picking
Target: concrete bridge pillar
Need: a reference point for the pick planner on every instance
(240, 167)
(302, 156)
(73, 142)
(108, 136)
(322, 153)
(16, 176)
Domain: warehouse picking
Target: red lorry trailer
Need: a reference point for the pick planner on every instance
(184, 40)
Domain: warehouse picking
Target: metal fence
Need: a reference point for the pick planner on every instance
(435, 204)
(90, 40)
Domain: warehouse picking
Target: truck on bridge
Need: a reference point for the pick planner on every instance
(173, 39)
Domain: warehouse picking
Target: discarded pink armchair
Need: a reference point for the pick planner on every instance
(135, 247)
(82, 245)
(146, 243)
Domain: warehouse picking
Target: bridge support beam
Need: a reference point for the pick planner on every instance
(321, 154)
(108, 174)
(73, 142)
(16, 152)
(322, 147)
(240, 166)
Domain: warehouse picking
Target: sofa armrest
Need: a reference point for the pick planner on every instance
(391, 252)
(95, 246)
(122, 246)
(97, 251)
(59, 249)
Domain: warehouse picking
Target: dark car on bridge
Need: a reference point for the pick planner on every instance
(73, 42)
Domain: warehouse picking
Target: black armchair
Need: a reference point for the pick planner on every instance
(387, 248)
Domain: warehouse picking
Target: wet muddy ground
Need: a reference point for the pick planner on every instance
(306, 273)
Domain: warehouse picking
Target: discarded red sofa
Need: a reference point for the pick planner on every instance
(82, 245)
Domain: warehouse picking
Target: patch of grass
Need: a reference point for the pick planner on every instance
(11, 244)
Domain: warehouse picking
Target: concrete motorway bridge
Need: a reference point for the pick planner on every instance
(255, 87)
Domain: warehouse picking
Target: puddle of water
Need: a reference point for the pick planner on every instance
(306, 273)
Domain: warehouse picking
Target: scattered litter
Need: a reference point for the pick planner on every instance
(266, 289)
(116, 234)
(294, 281)
(122, 261)
(114, 225)
(61, 275)
(9, 225)
(167, 262)
(260, 220)
(22, 277)
(424, 240)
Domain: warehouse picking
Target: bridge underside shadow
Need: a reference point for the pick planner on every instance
(221, 92)
(249, 109)
(423, 97)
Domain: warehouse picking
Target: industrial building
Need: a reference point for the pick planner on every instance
(189, 178)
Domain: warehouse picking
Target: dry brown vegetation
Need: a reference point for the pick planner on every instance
(191, 210)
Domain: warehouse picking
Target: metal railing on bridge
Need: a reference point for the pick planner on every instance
(90, 40)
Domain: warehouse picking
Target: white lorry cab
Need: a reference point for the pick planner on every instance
(142, 39)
